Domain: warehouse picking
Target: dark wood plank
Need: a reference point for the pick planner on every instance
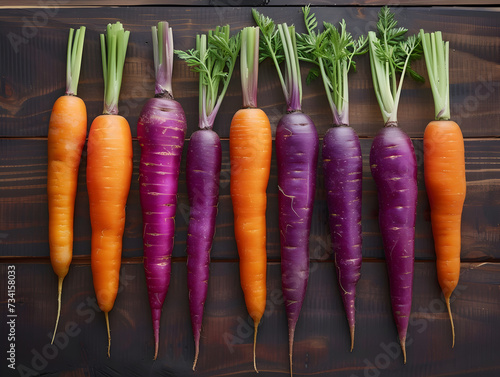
(23, 207)
(33, 77)
(239, 3)
(321, 340)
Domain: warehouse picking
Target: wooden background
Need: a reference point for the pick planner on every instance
(32, 77)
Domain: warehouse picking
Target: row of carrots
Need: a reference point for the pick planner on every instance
(161, 132)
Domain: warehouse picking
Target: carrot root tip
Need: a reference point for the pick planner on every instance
(196, 354)
(109, 333)
(351, 330)
(59, 294)
(448, 305)
(290, 347)
(256, 326)
(403, 348)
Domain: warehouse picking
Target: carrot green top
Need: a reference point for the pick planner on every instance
(74, 60)
(163, 50)
(281, 45)
(436, 53)
(391, 53)
(214, 58)
(113, 51)
(332, 52)
(249, 65)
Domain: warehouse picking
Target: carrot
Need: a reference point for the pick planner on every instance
(250, 145)
(214, 58)
(109, 172)
(297, 146)
(444, 170)
(66, 138)
(393, 163)
(332, 51)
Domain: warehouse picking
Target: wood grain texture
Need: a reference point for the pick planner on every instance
(32, 66)
(321, 347)
(23, 207)
(236, 3)
(32, 75)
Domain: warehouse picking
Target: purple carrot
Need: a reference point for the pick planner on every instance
(212, 55)
(203, 167)
(161, 130)
(342, 159)
(297, 147)
(297, 158)
(343, 170)
(394, 170)
(393, 164)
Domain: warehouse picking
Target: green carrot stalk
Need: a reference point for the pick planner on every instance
(390, 53)
(113, 51)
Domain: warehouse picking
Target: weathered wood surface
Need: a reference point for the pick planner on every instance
(33, 77)
(322, 339)
(235, 3)
(24, 211)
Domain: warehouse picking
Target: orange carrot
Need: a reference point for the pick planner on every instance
(66, 138)
(109, 172)
(444, 170)
(250, 145)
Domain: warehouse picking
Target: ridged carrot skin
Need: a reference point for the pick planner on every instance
(444, 172)
(343, 174)
(250, 146)
(161, 130)
(109, 172)
(203, 165)
(394, 170)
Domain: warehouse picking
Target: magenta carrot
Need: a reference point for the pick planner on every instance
(161, 130)
(393, 164)
(297, 147)
(213, 58)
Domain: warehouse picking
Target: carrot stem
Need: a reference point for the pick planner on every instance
(249, 67)
(163, 53)
(214, 58)
(436, 54)
(59, 294)
(74, 59)
(113, 51)
(106, 315)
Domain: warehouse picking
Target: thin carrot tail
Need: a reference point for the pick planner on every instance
(403, 348)
(157, 341)
(290, 346)
(109, 334)
(256, 326)
(448, 305)
(59, 294)
(196, 353)
(351, 330)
